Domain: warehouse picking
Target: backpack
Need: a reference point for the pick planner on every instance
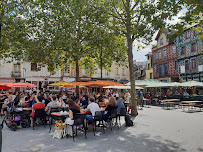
(128, 121)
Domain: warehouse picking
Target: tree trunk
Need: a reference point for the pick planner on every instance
(130, 61)
(132, 80)
(77, 77)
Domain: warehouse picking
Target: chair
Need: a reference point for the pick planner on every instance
(39, 113)
(122, 113)
(112, 117)
(98, 117)
(57, 109)
(78, 120)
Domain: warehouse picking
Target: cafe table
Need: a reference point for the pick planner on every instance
(169, 102)
(190, 104)
(27, 109)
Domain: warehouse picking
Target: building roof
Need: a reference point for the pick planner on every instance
(149, 53)
(165, 31)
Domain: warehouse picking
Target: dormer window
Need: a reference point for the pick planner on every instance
(162, 41)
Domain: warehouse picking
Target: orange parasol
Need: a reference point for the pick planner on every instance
(74, 84)
(4, 86)
(21, 85)
(102, 83)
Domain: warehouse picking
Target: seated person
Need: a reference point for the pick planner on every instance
(85, 102)
(73, 109)
(32, 100)
(38, 105)
(92, 107)
(7, 103)
(120, 104)
(109, 108)
(52, 104)
(61, 102)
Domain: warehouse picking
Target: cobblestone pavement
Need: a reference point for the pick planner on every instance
(154, 130)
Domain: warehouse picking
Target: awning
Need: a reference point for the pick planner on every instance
(122, 87)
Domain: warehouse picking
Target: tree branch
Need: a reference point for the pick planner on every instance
(135, 5)
(124, 4)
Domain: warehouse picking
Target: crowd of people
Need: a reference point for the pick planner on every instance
(88, 102)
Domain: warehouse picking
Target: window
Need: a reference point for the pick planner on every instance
(196, 32)
(187, 65)
(123, 72)
(33, 66)
(107, 73)
(148, 57)
(150, 75)
(182, 50)
(180, 38)
(193, 47)
(176, 65)
(165, 52)
(161, 41)
(187, 34)
(193, 64)
(157, 68)
(17, 68)
(67, 69)
(151, 63)
(148, 66)
(160, 70)
(160, 56)
(117, 72)
(165, 68)
(84, 72)
(174, 49)
(157, 55)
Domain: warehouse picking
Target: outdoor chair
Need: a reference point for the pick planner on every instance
(113, 116)
(53, 117)
(39, 113)
(98, 117)
(78, 120)
(122, 113)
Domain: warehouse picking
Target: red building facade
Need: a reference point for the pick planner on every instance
(165, 65)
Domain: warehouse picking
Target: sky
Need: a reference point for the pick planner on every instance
(140, 55)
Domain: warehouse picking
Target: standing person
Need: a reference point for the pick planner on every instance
(140, 98)
(38, 105)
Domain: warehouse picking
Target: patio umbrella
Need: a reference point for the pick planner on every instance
(192, 84)
(21, 85)
(4, 86)
(74, 84)
(122, 87)
(60, 83)
(102, 83)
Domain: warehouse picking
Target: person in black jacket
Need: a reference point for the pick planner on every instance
(109, 108)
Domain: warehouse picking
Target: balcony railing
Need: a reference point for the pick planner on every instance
(16, 74)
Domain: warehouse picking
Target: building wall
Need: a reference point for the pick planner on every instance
(159, 60)
(106, 74)
(150, 69)
(192, 73)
